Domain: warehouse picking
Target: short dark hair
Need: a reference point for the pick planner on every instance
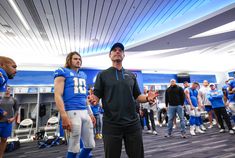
(196, 83)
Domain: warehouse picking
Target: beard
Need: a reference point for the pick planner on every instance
(10, 76)
(117, 60)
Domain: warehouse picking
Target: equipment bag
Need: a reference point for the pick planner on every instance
(13, 145)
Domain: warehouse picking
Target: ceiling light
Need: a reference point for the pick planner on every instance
(83, 44)
(94, 40)
(10, 34)
(19, 14)
(6, 28)
(218, 30)
(156, 52)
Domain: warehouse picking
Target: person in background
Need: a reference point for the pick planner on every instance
(225, 91)
(174, 100)
(205, 102)
(10, 106)
(195, 108)
(186, 104)
(96, 112)
(231, 97)
(162, 114)
(101, 112)
(148, 114)
(216, 98)
(7, 71)
(140, 112)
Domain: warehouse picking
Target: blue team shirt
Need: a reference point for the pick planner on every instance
(95, 109)
(216, 98)
(193, 96)
(3, 80)
(75, 92)
(231, 97)
(225, 89)
(231, 83)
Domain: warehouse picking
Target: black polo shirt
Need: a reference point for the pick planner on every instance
(118, 90)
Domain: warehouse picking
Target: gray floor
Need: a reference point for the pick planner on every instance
(211, 144)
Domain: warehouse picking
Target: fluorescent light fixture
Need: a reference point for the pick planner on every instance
(19, 14)
(83, 44)
(156, 52)
(218, 30)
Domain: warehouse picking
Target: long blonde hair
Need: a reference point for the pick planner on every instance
(69, 59)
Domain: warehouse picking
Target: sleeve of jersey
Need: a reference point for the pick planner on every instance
(59, 73)
(99, 87)
(136, 89)
(209, 96)
(2, 79)
(231, 83)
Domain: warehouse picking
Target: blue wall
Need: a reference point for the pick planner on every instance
(33, 78)
(165, 78)
(158, 78)
(200, 78)
(47, 77)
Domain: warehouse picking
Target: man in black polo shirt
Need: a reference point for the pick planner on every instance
(118, 89)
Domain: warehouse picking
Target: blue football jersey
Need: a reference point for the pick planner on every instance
(231, 83)
(75, 92)
(231, 97)
(193, 96)
(3, 80)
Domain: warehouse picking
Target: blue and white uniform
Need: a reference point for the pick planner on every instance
(186, 103)
(3, 84)
(231, 98)
(3, 80)
(74, 96)
(195, 115)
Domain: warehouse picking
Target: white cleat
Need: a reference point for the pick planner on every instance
(198, 130)
(192, 130)
(203, 127)
(155, 132)
(222, 131)
(149, 131)
(231, 131)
